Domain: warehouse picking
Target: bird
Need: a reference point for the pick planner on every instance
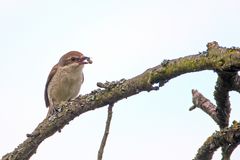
(65, 80)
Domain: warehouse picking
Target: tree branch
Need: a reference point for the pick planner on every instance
(236, 83)
(106, 132)
(199, 101)
(227, 152)
(224, 84)
(215, 58)
(218, 139)
(221, 95)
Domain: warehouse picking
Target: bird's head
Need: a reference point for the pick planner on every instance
(74, 59)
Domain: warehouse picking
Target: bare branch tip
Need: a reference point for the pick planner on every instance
(192, 108)
(194, 91)
(100, 84)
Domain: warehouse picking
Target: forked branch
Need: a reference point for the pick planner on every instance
(215, 58)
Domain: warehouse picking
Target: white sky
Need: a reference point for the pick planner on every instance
(124, 38)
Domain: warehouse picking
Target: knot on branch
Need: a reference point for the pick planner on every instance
(214, 50)
(165, 62)
(213, 44)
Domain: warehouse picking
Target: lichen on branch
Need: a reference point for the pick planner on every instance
(215, 58)
(225, 137)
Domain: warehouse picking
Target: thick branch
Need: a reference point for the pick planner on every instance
(223, 86)
(218, 58)
(226, 81)
(227, 136)
(227, 152)
(236, 83)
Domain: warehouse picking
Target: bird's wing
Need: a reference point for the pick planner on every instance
(50, 76)
(82, 78)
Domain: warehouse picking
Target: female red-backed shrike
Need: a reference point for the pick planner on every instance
(65, 79)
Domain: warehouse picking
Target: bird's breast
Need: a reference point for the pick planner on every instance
(66, 84)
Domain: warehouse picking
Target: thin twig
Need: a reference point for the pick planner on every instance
(106, 132)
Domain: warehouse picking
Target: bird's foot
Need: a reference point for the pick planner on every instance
(53, 112)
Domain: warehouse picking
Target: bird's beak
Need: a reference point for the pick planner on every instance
(85, 60)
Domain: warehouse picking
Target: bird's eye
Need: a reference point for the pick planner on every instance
(74, 59)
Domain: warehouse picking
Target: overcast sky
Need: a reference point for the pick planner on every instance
(124, 38)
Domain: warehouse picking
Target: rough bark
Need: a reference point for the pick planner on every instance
(215, 58)
(199, 101)
(229, 137)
